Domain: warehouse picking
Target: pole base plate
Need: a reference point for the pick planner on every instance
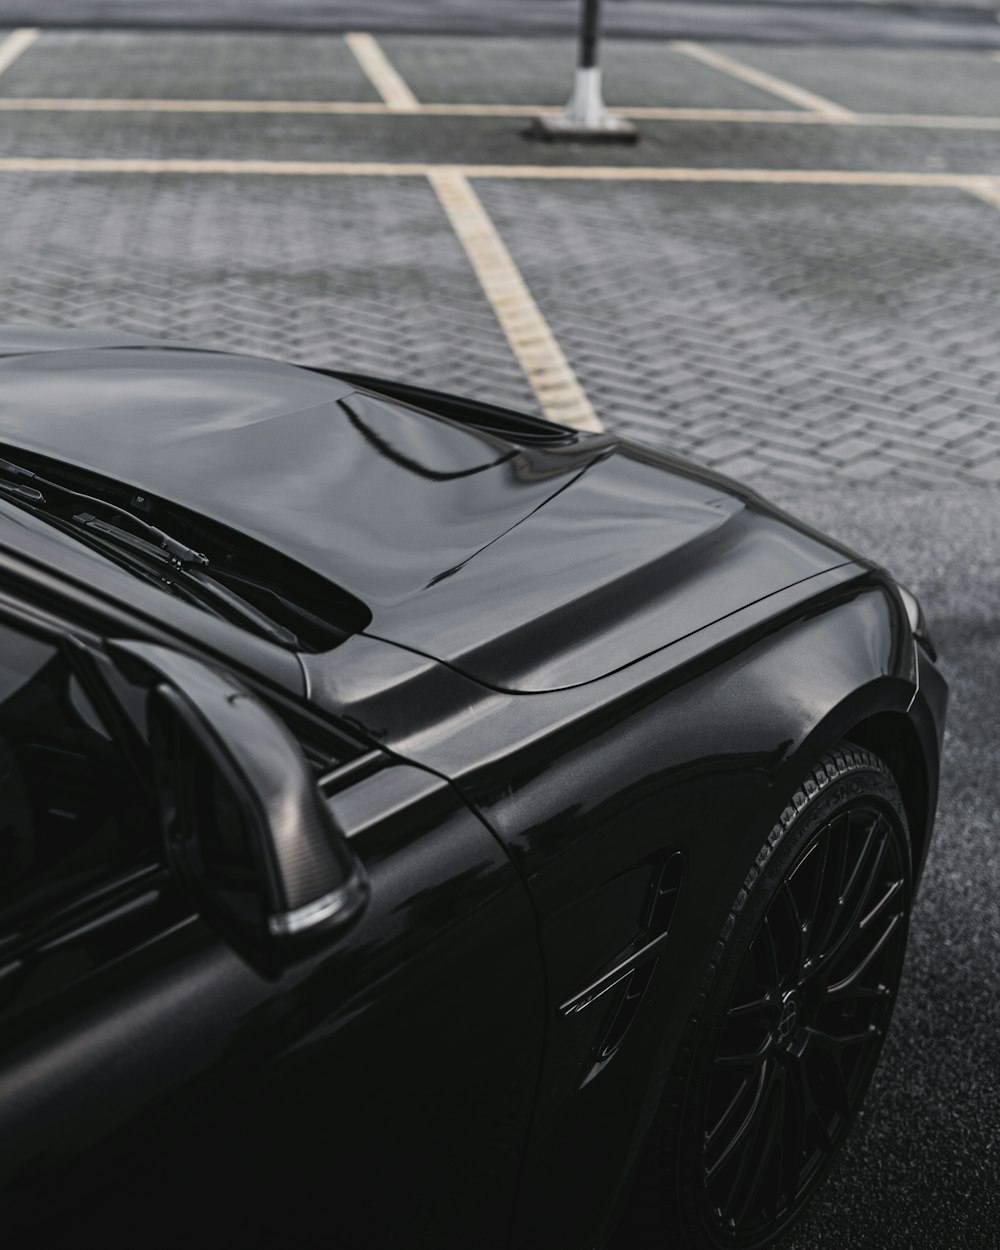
(558, 128)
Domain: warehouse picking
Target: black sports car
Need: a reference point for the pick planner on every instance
(425, 826)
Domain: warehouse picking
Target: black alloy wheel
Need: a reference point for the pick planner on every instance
(796, 1002)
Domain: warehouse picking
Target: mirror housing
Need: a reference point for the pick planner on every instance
(246, 829)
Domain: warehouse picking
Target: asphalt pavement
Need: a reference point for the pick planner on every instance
(919, 1171)
(793, 277)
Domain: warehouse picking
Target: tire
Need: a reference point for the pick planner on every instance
(789, 1020)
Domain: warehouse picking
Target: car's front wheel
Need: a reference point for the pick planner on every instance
(790, 1019)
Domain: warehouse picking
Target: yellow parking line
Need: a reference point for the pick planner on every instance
(58, 104)
(17, 41)
(382, 75)
(422, 169)
(987, 191)
(758, 78)
(781, 117)
(559, 392)
(921, 121)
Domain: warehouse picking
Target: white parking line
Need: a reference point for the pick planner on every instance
(17, 41)
(383, 76)
(559, 392)
(758, 78)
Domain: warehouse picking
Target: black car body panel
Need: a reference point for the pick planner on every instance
(591, 677)
(691, 751)
(295, 459)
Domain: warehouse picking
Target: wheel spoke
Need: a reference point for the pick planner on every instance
(875, 838)
(771, 948)
(759, 1007)
(784, 1145)
(800, 928)
(851, 904)
(766, 1142)
(836, 1082)
(807, 878)
(745, 1159)
(894, 889)
(754, 1135)
(852, 977)
(750, 1085)
(747, 1060)
(745, 1126)
(801, 1113)
(832, 871)
(812, 1126)
(840, 1041)
(848, 993)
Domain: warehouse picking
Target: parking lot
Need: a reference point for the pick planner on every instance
(793, 277)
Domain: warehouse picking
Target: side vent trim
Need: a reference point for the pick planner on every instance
(664, 894)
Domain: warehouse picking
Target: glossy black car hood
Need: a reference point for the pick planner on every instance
(528, 568)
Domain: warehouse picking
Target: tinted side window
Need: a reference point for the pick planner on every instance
(71, 814)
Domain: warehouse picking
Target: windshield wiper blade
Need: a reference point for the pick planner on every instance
(200, 585)
(178, 552)
(175, 564)
(27, 493)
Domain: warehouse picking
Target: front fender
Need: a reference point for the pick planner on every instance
(704, 770)
(692, 751)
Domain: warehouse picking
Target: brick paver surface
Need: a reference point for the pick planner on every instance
(349, 273)
(518, 71)
(179, 64)
(782, 333)
(886, 80)
(822, 332)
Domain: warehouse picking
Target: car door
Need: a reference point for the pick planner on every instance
(154, 1086)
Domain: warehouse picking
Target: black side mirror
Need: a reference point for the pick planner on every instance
(246, 829)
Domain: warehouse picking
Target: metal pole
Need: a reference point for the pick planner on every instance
(585, 119)
(590, 33)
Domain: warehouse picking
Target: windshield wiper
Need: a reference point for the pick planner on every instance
(183, 555)
(150, 552)
(201, 586)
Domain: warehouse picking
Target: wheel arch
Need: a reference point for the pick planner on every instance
(892, 737)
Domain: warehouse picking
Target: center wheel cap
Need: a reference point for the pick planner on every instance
(788, 1019)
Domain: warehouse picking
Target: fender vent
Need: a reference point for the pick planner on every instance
(666, 889)
(624, 987)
